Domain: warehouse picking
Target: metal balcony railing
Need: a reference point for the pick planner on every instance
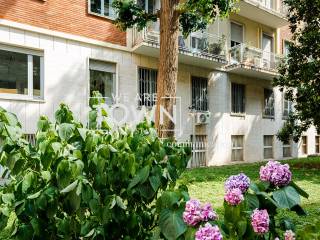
(276, 6)
(200, 44)
(254, 57)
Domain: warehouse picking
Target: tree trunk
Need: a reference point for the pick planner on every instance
(168, 66)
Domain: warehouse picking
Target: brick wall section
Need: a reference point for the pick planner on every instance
(68, 16)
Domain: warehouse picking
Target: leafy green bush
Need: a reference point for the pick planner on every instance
(85, 183)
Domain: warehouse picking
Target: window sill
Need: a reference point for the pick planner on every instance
(268, 117)
(22, 98)
(101, 16)
(240, 115)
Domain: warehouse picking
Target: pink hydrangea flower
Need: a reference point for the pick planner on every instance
(276, 173)
(207, 213)
(289, 235)
(208, 232)
(194, 213)
(234, 196)
(260, 221)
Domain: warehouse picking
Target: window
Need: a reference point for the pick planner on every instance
(199, 87)
(237, 148)
(268, 110)
(21, 73)
(287, 106)
(317, 144)
(238, 98)
(286, 48)
(102, 7)
(268, 146)
(236, 34)
(286, 149)
(199, 151)
(102, 79)
(304, 145)
(198, 43)
(148, 5)
(147, 86)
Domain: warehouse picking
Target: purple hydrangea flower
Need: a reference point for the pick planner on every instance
(260, 221)
(277, 174)
(208, 232)
(194, 213)
(207, 213)
(234, 196)
(289, 235)
(240, 181)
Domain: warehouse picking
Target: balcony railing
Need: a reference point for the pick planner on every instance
(254, 57)
(199, 44)
(271, 5)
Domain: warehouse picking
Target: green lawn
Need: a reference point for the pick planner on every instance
(207, 184)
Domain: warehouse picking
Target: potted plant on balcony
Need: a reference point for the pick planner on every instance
(216, 48)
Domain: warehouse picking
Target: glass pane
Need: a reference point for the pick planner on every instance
(286, 151)
(268, 141)
(268, 153)
(13, 72)
(108, 10)
(237, 155)
(102, 82)
(236, 33)
(36, 76)
(147, 86)
(95, 6)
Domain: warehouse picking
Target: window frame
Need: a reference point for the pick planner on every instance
(268, 147)
(237, 148)
(265, 107)
(304, 145)
(243, 33)
(192, 92)
(287, 145)
(288, 109)
(102, 11)
(139, 100)
(30, 53)
(241, 114)
(317, 144)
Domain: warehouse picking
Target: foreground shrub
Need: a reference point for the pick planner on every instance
(86, 183)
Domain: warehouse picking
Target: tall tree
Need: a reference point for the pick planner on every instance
(300, 73)
(175, 15)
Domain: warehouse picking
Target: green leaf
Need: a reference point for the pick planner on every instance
(121, 203)
(171, 223)
(253, 201)
(7, 198)
(70, 187)
(286, 197)
(35, 195)
(141, 177)
(66, 131)
(299, 190)
(155, 182)
(83, 133)
(27, 181)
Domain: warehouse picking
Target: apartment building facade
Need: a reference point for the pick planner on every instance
(60, 51)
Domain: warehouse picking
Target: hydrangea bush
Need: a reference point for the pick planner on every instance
(250, 208)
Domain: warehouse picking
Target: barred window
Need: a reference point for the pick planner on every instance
(268, 146)
(199, 87)
(238, 98)
(268, 110)
(237, 148)
(147, 86)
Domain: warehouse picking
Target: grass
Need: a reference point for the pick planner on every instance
(207, 184)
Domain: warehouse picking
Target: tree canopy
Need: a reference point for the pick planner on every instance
(194, 15)
(300, 73)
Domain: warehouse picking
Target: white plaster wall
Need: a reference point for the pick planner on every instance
(66, 79)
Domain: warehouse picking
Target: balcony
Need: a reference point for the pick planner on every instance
(253, 62)
(269, 12)
(200, 49)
